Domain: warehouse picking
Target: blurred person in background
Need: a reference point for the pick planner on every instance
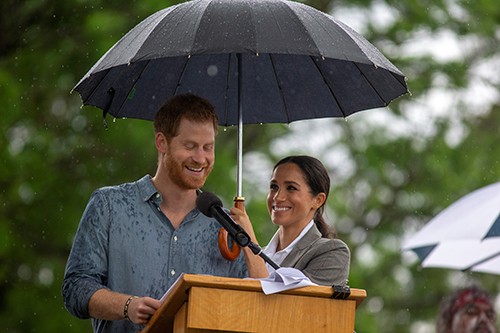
(467, 310)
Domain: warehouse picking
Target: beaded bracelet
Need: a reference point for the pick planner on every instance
(125, 308)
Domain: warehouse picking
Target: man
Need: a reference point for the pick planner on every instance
(467, 310)
(135, 239)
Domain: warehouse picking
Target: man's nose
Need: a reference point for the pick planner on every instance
(483, 317)
(200, 155)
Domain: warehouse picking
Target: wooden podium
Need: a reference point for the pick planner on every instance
(202, 304)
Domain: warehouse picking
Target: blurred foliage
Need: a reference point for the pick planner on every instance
(54, 154)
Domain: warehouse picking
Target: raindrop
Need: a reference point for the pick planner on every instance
(46, 276)
(79, 123)
(24, 272)
(212, 70)
(375, 304)
(26, 193)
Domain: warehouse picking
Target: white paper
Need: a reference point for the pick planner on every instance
(285, 278)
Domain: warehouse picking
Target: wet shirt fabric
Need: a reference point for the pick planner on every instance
(126, 244)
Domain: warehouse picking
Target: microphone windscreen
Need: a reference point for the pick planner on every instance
(205, 201)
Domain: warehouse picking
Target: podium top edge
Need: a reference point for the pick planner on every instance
(211, 281)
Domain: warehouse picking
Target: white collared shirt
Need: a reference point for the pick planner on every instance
(279, 256)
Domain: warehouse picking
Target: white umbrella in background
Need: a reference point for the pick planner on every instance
(464, 236)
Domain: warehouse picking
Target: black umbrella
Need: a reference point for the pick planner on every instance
(267, 61)
(257, 61)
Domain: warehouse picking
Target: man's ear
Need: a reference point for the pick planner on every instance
(161, 142)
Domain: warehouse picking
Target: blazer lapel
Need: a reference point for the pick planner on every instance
(302, 246)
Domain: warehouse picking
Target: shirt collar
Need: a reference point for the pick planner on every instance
(273, 244)
(146, 188)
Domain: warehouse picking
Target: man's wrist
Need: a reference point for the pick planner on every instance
(126, 306)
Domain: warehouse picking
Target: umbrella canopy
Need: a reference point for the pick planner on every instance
(464, 236)
(257, 61)
(280, 60)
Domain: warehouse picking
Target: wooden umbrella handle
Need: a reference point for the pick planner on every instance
(230, 253)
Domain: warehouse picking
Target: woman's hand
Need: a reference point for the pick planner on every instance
(240, 216)
(255, 264)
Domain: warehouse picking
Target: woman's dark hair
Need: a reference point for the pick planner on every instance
(318, 180)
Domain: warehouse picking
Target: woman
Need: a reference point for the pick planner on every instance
(298, 192)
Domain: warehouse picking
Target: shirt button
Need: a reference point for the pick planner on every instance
(175, 238)
(157, 195)
(172, 272)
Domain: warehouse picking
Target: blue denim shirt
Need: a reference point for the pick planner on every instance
(126, 244)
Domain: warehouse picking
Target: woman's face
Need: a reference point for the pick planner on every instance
(290, 202)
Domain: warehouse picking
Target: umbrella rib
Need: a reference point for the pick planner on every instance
(279, 87)
(481, 261)
(373, 87)
(329, 88)
(132, 87)
(226, 97)
(181, 75)
(94, 89)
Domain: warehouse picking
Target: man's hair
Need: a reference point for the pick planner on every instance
(457, 300)
(188, 106)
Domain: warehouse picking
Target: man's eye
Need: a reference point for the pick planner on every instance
(273, 187)
(473, 311)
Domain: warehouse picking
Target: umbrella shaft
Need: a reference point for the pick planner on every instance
(239, 175)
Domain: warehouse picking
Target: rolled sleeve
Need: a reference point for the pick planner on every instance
(86, 268)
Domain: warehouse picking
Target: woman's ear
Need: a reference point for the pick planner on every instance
(319, 200)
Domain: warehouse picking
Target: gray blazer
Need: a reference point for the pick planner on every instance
(324, 261)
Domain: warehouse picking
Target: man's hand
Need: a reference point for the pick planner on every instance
(141, 309)
(109, 305)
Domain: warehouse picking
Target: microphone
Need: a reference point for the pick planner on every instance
(210, 205)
